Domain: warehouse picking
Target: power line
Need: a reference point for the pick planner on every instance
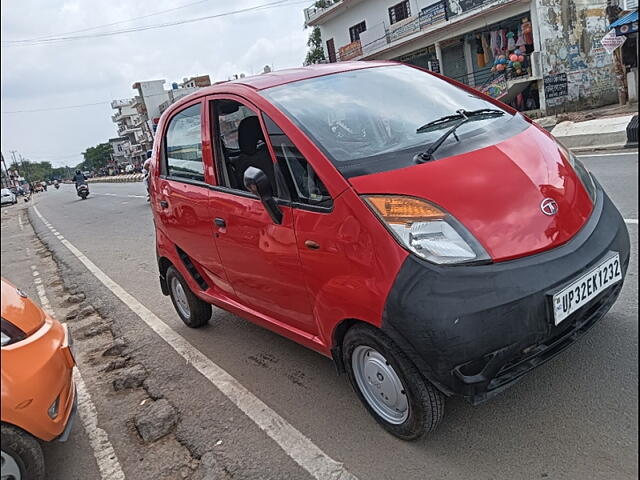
(29, 42)
(119, 22)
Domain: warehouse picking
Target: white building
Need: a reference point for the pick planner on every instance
(132, 126)
(561, 63)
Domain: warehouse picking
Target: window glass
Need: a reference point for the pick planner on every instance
(302, 181)
(356, 30)
(240, 144)
(399, 12)
(184, 145)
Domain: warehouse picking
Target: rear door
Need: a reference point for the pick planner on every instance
(260, 257)
(182, 203)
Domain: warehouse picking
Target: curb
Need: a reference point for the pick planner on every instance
(135, 177)
(607, 147)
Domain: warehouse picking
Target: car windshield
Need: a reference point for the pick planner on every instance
(370, 120)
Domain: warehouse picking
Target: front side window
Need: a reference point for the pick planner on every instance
(372, 119)
(399, 12)
(240, 144)
(356, 30)
(301, 180)
(183, 145)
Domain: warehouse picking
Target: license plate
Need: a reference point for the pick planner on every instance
(587, 287)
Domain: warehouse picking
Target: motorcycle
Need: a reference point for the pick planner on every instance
(83, 191)
(57, 185)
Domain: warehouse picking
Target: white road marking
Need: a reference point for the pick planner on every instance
(20, 222)
(294, 443)
(635, 154)
(103, 451)
(136, 196)
(631, 221)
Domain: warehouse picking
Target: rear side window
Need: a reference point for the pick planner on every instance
(183, 144)
(302, 182)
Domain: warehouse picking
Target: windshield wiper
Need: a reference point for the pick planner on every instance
(460, 114)
(463, 116)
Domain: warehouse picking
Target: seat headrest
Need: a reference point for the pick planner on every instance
(249, 133)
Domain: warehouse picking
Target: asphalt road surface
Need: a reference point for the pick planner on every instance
(575, 417)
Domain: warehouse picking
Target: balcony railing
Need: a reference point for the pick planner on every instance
(317, 8)
(120, 103)
(350, 51)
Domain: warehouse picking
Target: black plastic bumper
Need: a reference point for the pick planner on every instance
(474, 330)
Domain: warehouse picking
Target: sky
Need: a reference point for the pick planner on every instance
(49, 75)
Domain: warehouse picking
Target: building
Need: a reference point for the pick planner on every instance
(196, 82)
(131, 125)
(121, 151)
(559, 63)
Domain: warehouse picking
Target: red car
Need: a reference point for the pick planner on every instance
(429, 239)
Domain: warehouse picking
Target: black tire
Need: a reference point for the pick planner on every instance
(25, 451)
(425, 402)
(199, 310)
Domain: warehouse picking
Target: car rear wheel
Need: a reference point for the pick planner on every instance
(193, 311)
(389, 385)
(22, 457)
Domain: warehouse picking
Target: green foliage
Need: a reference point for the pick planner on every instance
(315, 53)
(96, 157)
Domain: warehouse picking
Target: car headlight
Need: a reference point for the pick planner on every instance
(585, 176)
(426, 230)
(10, 333)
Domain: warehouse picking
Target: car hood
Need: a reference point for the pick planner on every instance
(19, 310)
(497, 191)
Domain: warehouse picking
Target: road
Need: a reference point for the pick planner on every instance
(575, 417)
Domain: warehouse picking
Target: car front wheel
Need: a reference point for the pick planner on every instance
(21, 456)
(389, 385)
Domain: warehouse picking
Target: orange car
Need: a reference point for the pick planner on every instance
(38, 392)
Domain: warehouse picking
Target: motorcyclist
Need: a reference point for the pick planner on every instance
(146, 166)
(79, 179)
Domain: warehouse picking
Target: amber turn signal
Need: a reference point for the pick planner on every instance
(395, 209)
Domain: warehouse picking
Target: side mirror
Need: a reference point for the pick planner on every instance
(257, 182)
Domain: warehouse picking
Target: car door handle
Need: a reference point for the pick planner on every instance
(311, 245)
(164, 204)
(220, 222)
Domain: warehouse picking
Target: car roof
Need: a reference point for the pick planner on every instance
(281, 77)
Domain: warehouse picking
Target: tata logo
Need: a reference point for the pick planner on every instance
(549, 206)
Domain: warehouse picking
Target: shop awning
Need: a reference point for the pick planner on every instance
(626, 25)
(630, 18)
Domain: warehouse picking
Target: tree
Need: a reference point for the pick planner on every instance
(315, 53)
(96, 157)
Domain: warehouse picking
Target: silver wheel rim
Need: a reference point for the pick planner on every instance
(380, 385)
(9, 469)
(181, 297)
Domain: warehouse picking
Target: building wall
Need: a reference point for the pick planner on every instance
(571, 31)
(153, 95)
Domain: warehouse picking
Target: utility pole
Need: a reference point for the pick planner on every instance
(612, 11)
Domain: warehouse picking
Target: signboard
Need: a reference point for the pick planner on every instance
(627, 28)
(403, 29)
(610, 41)
(434, 66)
(555, 86)
(350, 50)
(433, 14)
(456, 7)
(496, 88)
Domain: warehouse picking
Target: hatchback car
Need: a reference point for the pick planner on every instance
(429, 239)
(38, 392)
(8, 197)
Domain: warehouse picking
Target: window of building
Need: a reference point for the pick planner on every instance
(240, 144)
(356, 30)
(399, 12)
(301, 180)
(183, 145)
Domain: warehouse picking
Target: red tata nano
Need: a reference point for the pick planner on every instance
(429, 239)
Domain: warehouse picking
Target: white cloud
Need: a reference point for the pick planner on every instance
(101, 69)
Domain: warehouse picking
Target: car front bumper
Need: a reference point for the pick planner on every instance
(475, 330)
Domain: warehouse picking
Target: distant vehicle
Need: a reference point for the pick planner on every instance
(38, 188)
(430, 239)
(8, 197)
(129, 168)
(87, 174)
(38, 392)
(83, 191)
